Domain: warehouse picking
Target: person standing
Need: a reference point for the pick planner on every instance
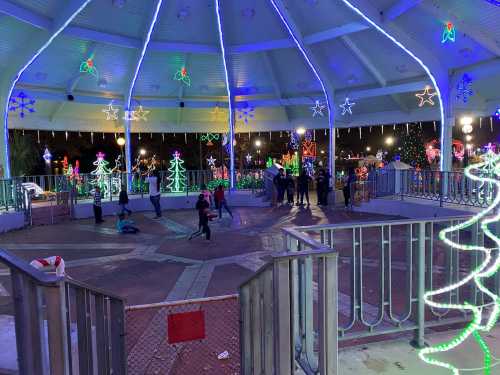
(290, 187)
(203, 210)
(220, 201)
(280, 184)
(207, 195)
(97, 205)
(320, 186)
(348, 185)
(154, 192)
(123, 201)
(303, 187)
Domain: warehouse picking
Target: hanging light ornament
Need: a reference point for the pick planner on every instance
(464, 88)
(347, 106)
(140, 114)
(248, 158)
(22, 104)
(318, 109)
(183, 76)
(88, 66)
(449, 33)
(426, 97)
(246, 113)
(47, 156)
(111, 112)
(211, 161)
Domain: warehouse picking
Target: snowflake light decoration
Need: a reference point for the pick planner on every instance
(209, 138)
(88, 66)
(248, 158)
(426, 97)
(464, 89)
(318, 109)
(183, 76)
(347, 106)
(22, 103)
(111, 112)
(246, 113)
(211, 161)
(449, 33)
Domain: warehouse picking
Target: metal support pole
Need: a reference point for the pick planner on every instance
(128, 156)
(419, 340)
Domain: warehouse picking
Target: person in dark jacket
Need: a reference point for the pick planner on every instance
(290, 187)
(349, 180)
(203, 208)
(303, 187)
(123, 201)
(97, 205)
(320, 187)
(280, 183)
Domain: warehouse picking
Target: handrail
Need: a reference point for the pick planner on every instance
(93, 289)
(22, 266)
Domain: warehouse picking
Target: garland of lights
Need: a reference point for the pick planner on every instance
(486, 172)
(209, 138)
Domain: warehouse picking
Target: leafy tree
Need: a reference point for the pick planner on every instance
(23, 154)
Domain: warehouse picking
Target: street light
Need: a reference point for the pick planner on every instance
(142, 152)
(120, 141)
(389, 141)
(466, 123)
(258, 143)
(368, 148)
(301, 130)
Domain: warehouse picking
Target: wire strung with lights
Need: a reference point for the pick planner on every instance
(485, 316)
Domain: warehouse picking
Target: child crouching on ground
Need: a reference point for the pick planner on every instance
(123, 225)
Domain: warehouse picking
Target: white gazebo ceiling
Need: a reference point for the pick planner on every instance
(266, 69)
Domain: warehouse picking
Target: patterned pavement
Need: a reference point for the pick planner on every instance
(160, 264)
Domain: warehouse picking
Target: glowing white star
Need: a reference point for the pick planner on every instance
(129, 116)
(426, 97)
(211, 161)
(140, 114)
(347, 106)
(111, 112)
(318, 109)
(249, 158)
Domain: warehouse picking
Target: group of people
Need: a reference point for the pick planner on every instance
(285, 182)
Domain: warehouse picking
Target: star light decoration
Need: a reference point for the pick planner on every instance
(88, 66)
(141, 114)
(22, 104)
(449, 33)
(211, 161)
(111, 112)
(426, 97)
(318, 109)
(484, 316)
(347, 106)
(246, 113)
(183, 76)
(464, 89)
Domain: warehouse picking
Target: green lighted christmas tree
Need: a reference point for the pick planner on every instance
(101, 173)
(177, 175)
(412, 147)
(486, 315)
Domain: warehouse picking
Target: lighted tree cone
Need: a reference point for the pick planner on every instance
(177, 176)
(101, 174)
(484, 316)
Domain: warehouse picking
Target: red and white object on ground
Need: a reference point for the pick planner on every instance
(54, 261)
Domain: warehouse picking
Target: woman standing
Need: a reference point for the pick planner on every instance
(154, 192)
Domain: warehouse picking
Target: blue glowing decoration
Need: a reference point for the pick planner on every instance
(128, 152)
(347, 106)
(294, 141)
(22, 104)
(18, 77)
(449, 33)
(229, 95)
(47, 156)
(427, 70)
(318, 109)
(315, 71)
(246, 113)
(497, 113)
(464, 88)
(494, 2)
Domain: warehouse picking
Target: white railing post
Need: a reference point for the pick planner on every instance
(419, 340)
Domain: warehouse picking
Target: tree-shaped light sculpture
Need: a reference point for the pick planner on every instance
(177, 176)
(101, 173)
(485, 316)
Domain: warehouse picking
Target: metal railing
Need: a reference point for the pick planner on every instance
(385, 268)
(63, 326)
(278, 321)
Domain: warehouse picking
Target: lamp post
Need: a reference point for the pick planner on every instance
(258, 144)
(466, 122)
(300, 132)
(121, 142)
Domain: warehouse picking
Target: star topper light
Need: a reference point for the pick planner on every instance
(111, 112)
(347, 106)
(211, 161)
(318, 109)
(426, 97)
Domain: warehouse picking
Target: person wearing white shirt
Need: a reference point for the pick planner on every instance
(154, 192)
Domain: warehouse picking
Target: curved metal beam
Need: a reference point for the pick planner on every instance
(230, 96)
(70, 12)
(128, 98)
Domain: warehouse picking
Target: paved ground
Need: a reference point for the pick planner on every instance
(160, 264)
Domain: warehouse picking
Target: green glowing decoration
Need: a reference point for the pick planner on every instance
(209, 138)
(183, 76)
(177, 175)
(269, 162)
(101, 174)
(484, 317)
(88, 67)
